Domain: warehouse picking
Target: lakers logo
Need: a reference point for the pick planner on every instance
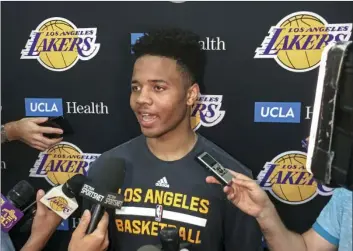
(58, 204)
(58, 44)
(61, 162)
(207, 111)
(286, 178)
(297, 41)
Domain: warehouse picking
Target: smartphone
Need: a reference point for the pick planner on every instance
(58, 122)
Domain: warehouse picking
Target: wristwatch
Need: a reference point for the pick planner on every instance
(3, 135)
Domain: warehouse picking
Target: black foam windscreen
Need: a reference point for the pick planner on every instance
(21, 195)
(73, 186)
(111, 174)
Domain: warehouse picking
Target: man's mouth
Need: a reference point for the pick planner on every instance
(146, 117)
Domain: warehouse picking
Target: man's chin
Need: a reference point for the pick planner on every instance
(150, 133)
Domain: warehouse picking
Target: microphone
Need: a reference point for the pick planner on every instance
(15, 204)
(169, 238)
(61, 199)
(103, 193)
(330, 149)
(149, 248)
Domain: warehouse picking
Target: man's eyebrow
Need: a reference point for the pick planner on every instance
(156, 81)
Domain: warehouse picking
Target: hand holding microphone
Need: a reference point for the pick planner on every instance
(96, 241)
(40, 234)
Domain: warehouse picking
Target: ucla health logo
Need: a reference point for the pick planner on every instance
(207, 44)
(277, 112)
(64, 226)
(297, 41)
(58, 44)
(207, 111)
(43, 107)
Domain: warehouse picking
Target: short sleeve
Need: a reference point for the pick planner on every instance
(328, 224)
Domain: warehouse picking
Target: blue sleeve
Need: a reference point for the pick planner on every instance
(328, 223)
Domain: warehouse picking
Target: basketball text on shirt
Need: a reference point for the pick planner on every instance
(158, 207)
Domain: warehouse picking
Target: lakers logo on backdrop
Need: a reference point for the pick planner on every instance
(62, 161)
(286, 178)
(297, 41)
(58, 44)
(207, 111)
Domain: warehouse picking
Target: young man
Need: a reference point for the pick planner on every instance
(164, 184)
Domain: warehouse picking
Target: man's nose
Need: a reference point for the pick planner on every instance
(144, 97)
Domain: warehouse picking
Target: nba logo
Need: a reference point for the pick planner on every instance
(159, 213)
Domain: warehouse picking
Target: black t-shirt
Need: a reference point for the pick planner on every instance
(174, 193)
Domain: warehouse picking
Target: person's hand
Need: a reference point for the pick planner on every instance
(30, 132)
(245, 194)
(44, 225)
(96, 241)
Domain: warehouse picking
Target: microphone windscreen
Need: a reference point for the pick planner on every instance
(111, 174)
(22, 194)
(73, 186)
(149, 248)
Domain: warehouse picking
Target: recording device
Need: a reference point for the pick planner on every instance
(218, 171)
(58, 122)
(61, 199)
(330, 149)
(111, 178)
(15, 204)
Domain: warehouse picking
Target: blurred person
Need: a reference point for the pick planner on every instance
(166, 79)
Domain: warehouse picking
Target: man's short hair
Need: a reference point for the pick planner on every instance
(178, 44)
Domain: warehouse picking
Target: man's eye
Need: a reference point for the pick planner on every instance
(158, 88)
(134, 88)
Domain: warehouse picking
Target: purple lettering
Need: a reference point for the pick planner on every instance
(323, 40)
(34, 44)
(272, 42)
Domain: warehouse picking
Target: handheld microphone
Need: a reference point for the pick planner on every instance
(149, 248)
(61, 199)
(219, 172)
(15, 203)
(103, 192)
(169, 238)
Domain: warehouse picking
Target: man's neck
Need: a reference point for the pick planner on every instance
(174, 145)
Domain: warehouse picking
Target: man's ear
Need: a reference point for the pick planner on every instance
(192, 94)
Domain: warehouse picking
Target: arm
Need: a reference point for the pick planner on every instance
(245, 194)
(278, 237)
(44, 225)
(29, 131)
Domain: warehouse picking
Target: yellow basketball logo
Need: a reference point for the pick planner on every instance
(61, 162)
(297, 41)
(286, 178)
(207, 111)
(58, 203)
(58, 44)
